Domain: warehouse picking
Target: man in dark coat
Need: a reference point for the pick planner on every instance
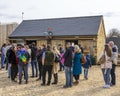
(34, 60)
(68, 66)
(39, 59)
(13, 63)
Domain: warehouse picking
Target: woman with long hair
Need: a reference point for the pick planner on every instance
(77, 65)
(107, 65)
(56, 64)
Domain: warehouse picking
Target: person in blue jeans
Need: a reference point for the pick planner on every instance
(114, 60)
(3, 55)
(23, 65)
(34, 60)
(107, 65)
(87, 65)
(68, 66)
(61, 50)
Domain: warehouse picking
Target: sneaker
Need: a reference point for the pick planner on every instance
(106, 86)
(65, 86)
(86, 78)
(42, 84)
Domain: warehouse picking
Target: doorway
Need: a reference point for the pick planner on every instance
(28, 42)
(73, 42)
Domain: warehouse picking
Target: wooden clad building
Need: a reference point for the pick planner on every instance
(88, 31)
(5, 31)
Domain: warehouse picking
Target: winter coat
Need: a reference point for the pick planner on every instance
(77, 66)
(62, 59)
(68, 58)
(40, 54)
(12, 57)
(108, 62)
(115, 55)
(33, 53)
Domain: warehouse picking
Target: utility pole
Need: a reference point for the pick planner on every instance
(22, 15)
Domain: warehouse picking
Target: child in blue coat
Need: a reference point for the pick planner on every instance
(87, 65)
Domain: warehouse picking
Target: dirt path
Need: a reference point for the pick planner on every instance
(90, 87)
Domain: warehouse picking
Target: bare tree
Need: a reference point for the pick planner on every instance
(114, 33)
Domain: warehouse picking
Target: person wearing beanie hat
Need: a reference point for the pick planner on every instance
(114, 60)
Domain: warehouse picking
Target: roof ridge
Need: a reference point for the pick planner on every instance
(64, 18)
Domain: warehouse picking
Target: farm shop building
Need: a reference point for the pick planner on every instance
(88, 31)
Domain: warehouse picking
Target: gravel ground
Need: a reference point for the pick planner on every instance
(90, 87)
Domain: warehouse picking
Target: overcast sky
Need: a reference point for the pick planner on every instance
(11, 10)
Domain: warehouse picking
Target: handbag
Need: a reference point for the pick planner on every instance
(57, 58)
(102, 60)
(83, 59)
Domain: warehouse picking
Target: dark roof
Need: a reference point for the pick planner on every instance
(60, 26)
(116, 40)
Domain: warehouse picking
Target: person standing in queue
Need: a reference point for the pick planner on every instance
(114, 60)
(68, 56)
(47, 62)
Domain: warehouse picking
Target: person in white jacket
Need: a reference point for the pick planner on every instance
(107, 65)
(114, 60)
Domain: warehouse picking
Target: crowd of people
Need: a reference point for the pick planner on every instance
(50, 60)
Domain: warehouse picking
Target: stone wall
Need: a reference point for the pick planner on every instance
(57, 42)
(101, 39)
(54, 42)
(88, 45)
(41, 42)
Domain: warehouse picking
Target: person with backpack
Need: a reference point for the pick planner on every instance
(56, 64)
(23, 59)
(114, 60)
(47, 62)
(87, 65)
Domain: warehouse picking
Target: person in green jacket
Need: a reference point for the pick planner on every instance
(47, 62)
